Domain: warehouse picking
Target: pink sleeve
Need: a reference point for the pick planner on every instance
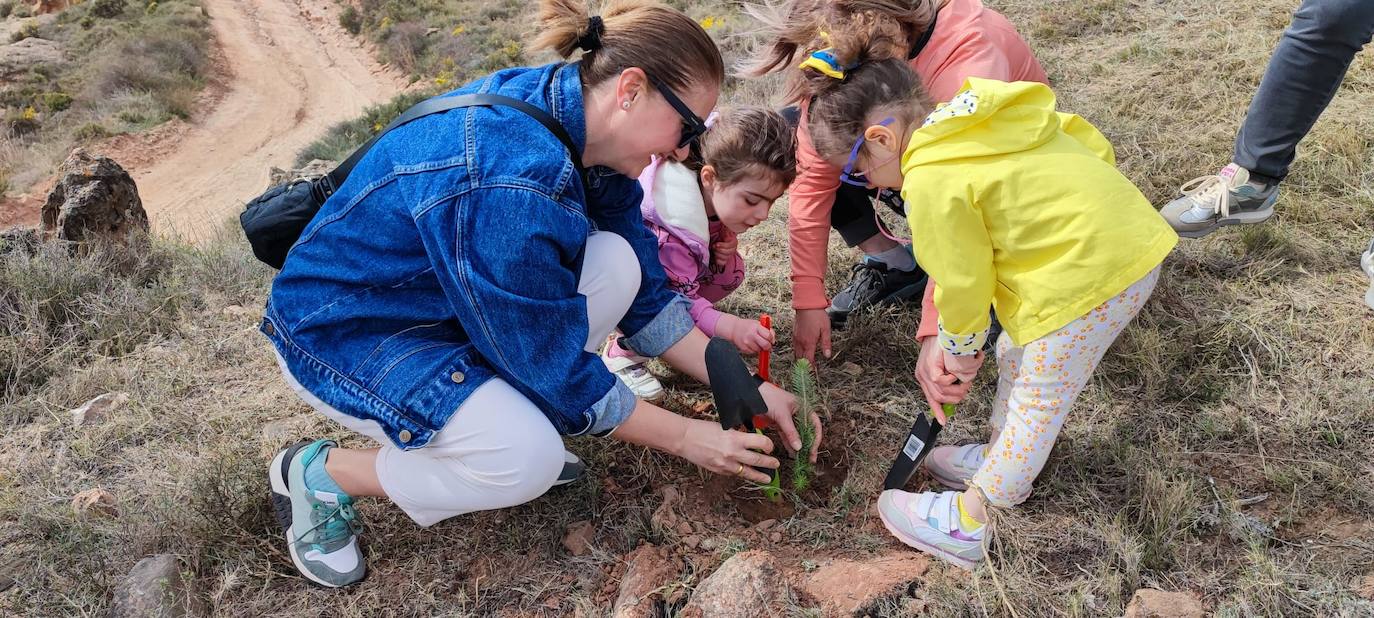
(810, 201)
(705, 315)
(682, 269)
(930, 318)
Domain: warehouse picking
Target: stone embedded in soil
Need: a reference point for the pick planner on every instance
(95, 502)
(702, 407)
(643, 585)
(683, 529)
(692, 542)
(845, 587)
(764, 525)
(776, 537)
(97, 409)
(749, 584)
(852, 368)
(1151, 603)
(155, 588)
(665, 516)
(578, 540)
(95, 200)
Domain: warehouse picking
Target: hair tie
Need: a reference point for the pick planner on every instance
(823, 61)
(591, 41)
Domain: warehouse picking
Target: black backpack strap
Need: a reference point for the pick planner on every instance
(442, 104)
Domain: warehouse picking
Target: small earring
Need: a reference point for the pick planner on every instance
(625, 105)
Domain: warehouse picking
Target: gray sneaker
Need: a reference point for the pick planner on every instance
(321, 527)
(573, 469)
(1228, 198)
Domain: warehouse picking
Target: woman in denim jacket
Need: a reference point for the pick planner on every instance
(449, 298)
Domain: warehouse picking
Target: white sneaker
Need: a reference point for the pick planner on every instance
(1367, 263)
(954, 466)
(632, 372)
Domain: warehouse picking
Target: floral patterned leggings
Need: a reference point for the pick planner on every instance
(1038, 383)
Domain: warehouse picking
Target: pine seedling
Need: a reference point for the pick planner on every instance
(804, 387)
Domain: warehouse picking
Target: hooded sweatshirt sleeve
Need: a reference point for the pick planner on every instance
(810, 202)
(953, 246)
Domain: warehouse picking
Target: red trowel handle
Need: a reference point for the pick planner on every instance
(761, 421)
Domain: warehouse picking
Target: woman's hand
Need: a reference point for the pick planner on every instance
(939, 384)
(812, 327)
(731, 453)
(782, 408)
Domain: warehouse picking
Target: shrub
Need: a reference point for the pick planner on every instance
(404, 45)
(23, 121)
(351, 20)
(108, 9)
(90, 131)
(6, 8)
(27, 31)
(56, 101)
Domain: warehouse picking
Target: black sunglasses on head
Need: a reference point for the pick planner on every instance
(692, 126)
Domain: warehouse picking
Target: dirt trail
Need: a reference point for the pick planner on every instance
(291, 72)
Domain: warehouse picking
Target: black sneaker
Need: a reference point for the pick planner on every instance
(873, 283)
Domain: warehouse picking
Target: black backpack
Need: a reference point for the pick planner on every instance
(273, 221)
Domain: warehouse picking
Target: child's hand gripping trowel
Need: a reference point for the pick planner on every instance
(919, 442)
(734, 389)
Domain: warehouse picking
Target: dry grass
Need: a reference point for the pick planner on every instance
(1222, 448)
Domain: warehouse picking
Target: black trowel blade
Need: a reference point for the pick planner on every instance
(733, 387)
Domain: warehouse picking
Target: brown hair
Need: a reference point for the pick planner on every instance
(841, 109)
(800, 27)
(748, 137)
(634, 33)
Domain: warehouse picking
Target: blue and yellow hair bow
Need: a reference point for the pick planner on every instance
(824, 61)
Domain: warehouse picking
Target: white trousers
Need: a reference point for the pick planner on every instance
(498, 449)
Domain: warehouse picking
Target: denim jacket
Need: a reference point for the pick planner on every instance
(452, 254)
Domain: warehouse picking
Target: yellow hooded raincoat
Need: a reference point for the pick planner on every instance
(1016, 206)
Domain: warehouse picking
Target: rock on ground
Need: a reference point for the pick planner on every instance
(1151, 603)
(95, 502)
(749, 584)
(578, 540)
(641, 589)
(155, 588)
(95, 410)
(95, 200)
(846, 587)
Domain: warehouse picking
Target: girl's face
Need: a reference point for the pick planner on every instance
(744, 203)
(650, 126)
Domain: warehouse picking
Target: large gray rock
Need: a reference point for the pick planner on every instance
(749, 584)
(95, 200)
(155, 588)
(17, 59)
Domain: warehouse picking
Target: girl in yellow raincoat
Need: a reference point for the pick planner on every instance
(1012, 205)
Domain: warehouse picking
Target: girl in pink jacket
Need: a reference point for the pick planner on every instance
(697, 208)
